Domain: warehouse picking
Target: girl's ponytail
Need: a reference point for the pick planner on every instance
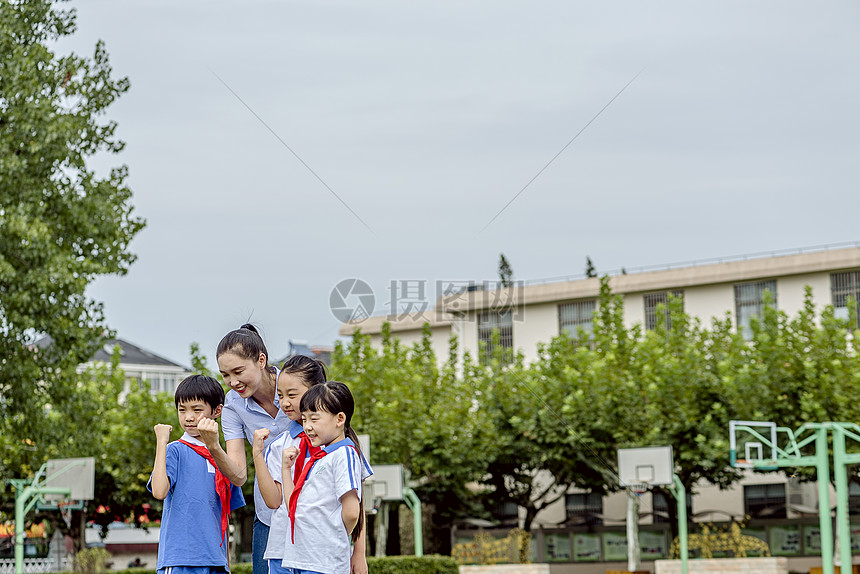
(350, 434)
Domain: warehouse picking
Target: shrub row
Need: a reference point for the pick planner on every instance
(385, 565)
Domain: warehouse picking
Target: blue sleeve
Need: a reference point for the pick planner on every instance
(231, 422)
(172, 463)
(237, 500)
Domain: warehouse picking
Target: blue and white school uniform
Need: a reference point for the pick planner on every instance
(190, 534)
(239, 419)
(322, 544)
(280, 526)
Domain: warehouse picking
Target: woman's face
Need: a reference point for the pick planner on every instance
(244, 376)
(290, 391)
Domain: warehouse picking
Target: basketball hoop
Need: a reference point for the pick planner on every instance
(66, 507)
(638, 488)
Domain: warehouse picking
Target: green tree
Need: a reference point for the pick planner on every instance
(590, 271)
(422, 416)
(506, 273)
(199, 363)
(61, 225)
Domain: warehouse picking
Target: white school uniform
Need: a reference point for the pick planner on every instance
(280, 526)
(322, 544)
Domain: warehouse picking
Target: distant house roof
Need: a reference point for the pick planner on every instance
(321, 352)
(131, 354)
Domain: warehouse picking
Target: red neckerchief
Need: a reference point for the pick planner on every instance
(294, 497)
(305, 447)
(222, 485)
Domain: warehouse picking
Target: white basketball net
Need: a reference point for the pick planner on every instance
(638, 488)
(65, 508)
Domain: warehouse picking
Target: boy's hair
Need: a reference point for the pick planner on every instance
(199, 387)
(310, 371)
(334, 397)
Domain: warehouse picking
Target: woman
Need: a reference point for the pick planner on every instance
(251, 404)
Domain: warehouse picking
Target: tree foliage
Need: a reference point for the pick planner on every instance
(590, 270)
(420, 415)
(61, 225)
(529, 432)
(506, 272)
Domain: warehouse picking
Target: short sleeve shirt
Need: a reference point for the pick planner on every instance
(190, 532)
(280, 516)
(239, 419)
(322, 543)
(280, 527)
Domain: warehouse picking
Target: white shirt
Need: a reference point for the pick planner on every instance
(322, 544)
(280, 525)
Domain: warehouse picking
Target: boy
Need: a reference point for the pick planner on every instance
(197, 497)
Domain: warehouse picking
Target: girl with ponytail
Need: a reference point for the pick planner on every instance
(324, 501)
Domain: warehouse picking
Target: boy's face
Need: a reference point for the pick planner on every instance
(323, 428)
(192, 411)
(290, 391)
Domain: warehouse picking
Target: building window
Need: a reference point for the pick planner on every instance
(765, 500)
(660, 505)
(506, 512)
(652, 300)
(843, 286)
(576, 317)
(584, 508)
(501, 321)
(749, 302)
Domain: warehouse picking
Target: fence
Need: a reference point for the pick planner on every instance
(35, 565)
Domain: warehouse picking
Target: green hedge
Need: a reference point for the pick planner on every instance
(386, 565)
(413, 565)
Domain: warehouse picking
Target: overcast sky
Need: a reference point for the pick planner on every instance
(740, 135)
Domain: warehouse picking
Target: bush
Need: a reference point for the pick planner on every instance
(386, 565)
(91, 560)
(413, 565)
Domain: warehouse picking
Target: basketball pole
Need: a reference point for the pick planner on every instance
(634, 558)
(414, 504)
(680, 494)
(26, 497)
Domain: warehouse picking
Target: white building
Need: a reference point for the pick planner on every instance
(542, 311)
(141, 367)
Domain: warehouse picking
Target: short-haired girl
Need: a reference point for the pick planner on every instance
(324, 501)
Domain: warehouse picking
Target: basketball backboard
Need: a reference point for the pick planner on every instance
(76, 474)
(651, 466)
(386, 482)
(751, 442)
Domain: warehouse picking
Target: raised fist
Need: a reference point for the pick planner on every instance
(162, 433)
(208, 429)
(260, 436)
(290, 455)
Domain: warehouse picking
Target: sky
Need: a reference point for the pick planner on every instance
(276, 148)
